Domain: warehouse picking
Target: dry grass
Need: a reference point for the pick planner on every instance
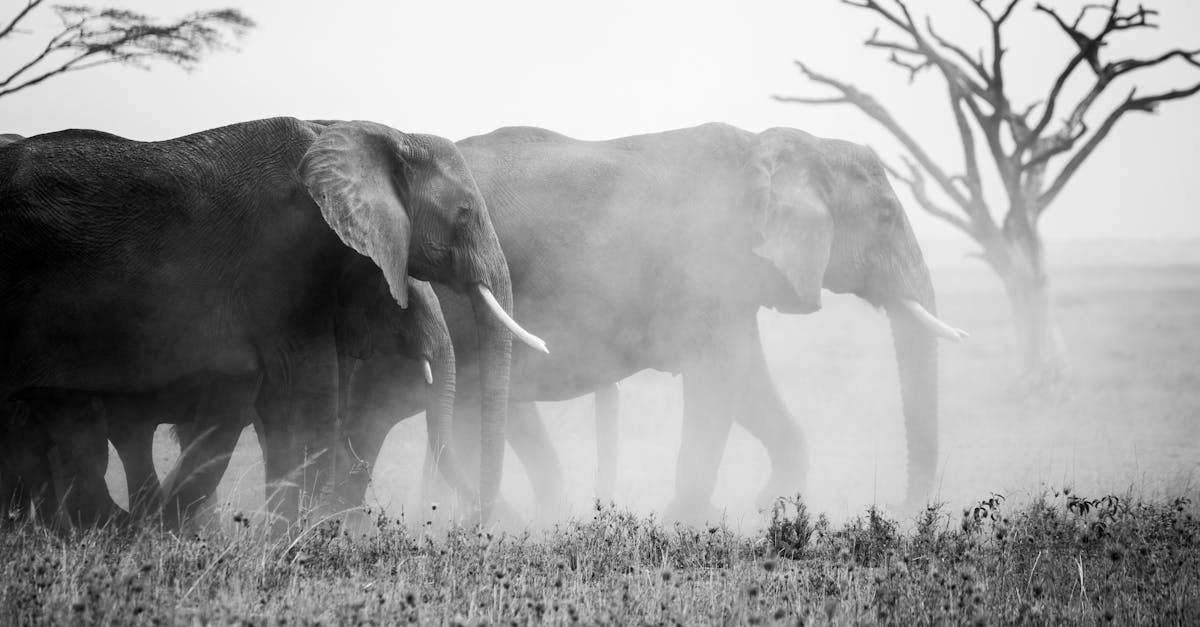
(1062, 558)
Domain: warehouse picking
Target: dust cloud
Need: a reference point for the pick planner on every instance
(1125, 423)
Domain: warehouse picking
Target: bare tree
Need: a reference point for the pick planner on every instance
(1023, 142)
(91, 37)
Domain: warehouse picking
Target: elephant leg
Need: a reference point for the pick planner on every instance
(26, 479)
(79, 434)
(206, 444)
(608, 409)
(531, 442)
(276, 442)
(713, 386)
(764, 415)
(131, 427)
(366, 428)
(368, 412)
(299, 417)
(465, 433)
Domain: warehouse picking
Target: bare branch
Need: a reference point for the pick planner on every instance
(977, 91)
(1128, 65)
(997, 83)
(976, 208)
(1106, 73)
(29, 6)
(916, 183)
(813, 101)
(920, 46)
(1147, 104)
(1054, 147)
(1089, 48)
(868, 105)
(962, 54)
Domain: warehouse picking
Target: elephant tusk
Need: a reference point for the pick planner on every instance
(931, 322)
(428, 370)
(532, 340)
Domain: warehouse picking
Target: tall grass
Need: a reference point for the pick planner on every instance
(1059, 558)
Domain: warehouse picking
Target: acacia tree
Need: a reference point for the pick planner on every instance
(1036, 148)
(90, 37)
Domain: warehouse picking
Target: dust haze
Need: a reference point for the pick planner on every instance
(1126, 423)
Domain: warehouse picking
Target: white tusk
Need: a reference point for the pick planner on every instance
(931, 322)
(532, 340)
(428, 369)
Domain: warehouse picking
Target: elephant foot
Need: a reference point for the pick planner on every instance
(145, 506)
(693, 512)
(113, 517)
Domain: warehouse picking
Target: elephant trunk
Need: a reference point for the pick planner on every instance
(917, 360)
(495, 351)
(439, 416)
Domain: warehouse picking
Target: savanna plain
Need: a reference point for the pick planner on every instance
(1074, 506)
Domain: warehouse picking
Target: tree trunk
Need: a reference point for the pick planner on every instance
(1019, 262)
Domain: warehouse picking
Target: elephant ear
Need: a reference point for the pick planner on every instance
(793, 221)
(355, 172)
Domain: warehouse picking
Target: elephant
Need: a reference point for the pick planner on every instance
(55, 457)
(657, 251)
(128, 267)
(367, 323)
(368, 417)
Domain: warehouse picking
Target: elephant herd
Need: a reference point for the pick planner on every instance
(324, 280)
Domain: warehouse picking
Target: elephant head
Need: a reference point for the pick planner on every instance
(369, 324)
(376, 187)
(828, 217)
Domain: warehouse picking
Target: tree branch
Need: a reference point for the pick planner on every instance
(976, 209)
(92, 38)
(1147, 104)
(29, 6)
(812, 101)
(916, 184)
(921, 46)
(977, 84)
(1089, 51)
(868, 105)
(996, 85)
(962, 54)
(990, 91)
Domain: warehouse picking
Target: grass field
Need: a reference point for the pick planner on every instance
(1127, 426)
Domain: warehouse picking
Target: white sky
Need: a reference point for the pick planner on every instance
(606, 69)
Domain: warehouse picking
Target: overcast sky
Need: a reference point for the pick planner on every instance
(606, 69)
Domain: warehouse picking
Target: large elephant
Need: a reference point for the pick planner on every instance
(656, 251)
(368, 323)
(131, 266)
